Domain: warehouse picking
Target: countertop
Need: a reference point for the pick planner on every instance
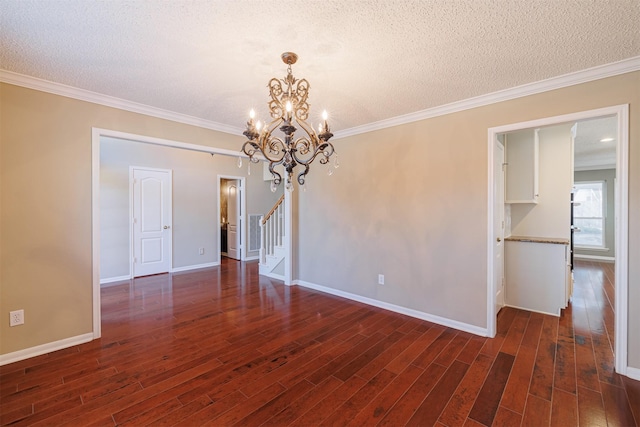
(552, 240)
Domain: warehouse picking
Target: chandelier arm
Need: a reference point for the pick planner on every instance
(321, 149)
(277, 178)
(250, 148)
(303, 174)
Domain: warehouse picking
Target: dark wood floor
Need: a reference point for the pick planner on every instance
(224, 346)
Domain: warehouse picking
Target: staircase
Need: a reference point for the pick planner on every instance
(273, 243)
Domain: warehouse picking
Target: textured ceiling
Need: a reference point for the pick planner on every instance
(366, 60)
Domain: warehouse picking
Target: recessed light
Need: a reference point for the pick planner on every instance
(606, 140)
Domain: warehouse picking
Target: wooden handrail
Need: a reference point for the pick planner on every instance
(273, 209)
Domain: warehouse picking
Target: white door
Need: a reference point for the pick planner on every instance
(234, 225)
(151, 221)
(498, 226)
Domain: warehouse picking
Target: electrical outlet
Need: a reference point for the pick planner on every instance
(201, 251)
(380, 279)
(16, 318)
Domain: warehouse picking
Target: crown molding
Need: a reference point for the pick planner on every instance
(596, 73)
(571, 79)
(109, 101)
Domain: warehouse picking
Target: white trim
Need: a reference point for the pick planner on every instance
(111, 101)
(96, 135)
(621, 228)
(594, 167)
(195, 267)
(38, 350)
(633, 373)
(621, 196)
(583, 76)
(595, 257)
(274, 276)
(600, 72)
(95, 230)
(252, 258)
(167, 142)
(115, 279)
(535, 311)
(476, 330)
(288, 238)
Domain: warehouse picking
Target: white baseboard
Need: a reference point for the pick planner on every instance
(273, 276)
(195, 267)
(633, 373)
(38, 350)
(114, 279)
(595, 258)
(536, 311)
(476, 330)
(252, 258)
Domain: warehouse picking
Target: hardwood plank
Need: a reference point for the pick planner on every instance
(406, 406)
(488, 400)
(616, 406)
(591, 408)
(326, 406)
(515, 334)
(586, 369)
(460, 404)
(537, 412)
(276, 405)
(352, 406)
(517, 388)
(564, 408)
(507, 418)
(383, 402)
(430, 353)
(307, 401)
(431, 407)
(633, 393)
(403, 360)
(543, 370)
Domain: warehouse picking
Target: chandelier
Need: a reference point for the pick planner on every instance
(276, 140)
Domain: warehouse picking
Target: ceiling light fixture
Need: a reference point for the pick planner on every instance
(275, 141)
(606, 140)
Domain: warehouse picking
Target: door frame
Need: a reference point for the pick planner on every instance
(131, 214)
(96, 135)
(621, 112)
(501, 233)
(243, 215)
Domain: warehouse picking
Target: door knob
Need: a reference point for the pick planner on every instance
(167, 226)
(499, 240)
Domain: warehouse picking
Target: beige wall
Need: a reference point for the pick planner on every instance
(45, 146)
(409, 202)
(195, 203)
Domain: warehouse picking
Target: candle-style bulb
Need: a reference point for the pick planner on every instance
(258, 125)
(325, 116)
(289, 106)
(252, 114)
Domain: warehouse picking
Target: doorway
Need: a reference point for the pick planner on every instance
(621, 114)
(231, 214)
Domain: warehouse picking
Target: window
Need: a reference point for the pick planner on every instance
(589, 213)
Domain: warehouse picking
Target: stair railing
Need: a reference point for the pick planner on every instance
(272, 230)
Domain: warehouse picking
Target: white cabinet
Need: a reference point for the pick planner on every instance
(536, 275)
(521, 182)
